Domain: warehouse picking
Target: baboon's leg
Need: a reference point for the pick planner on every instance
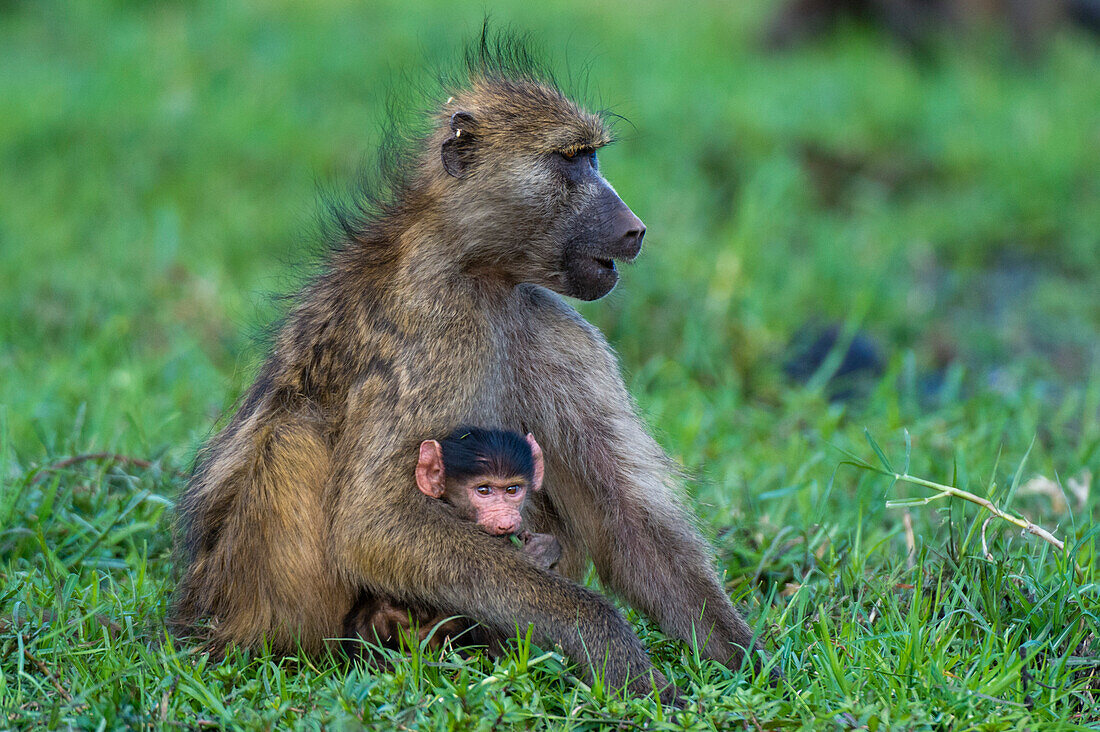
(259, 534)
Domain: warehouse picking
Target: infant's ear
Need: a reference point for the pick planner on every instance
(430, 478)
(540, 467)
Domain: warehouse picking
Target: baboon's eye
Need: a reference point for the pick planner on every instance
(576, 155)
(512, 490)
(484, 490)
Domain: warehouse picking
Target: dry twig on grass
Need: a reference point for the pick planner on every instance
(45, 671)
(949, 491)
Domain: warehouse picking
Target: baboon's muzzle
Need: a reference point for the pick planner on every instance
(630, 231)
(610, 232)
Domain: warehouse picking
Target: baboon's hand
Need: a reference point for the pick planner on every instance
(542, 549)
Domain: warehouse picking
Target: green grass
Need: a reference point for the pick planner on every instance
(161, 164)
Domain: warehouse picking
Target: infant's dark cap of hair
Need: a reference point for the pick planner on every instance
(473, 451)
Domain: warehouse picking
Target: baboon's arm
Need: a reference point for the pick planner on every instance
(655, 558)
(406, 546)
(614, 484)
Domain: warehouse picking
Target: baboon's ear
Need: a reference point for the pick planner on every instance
(429, 469)
(458, 149)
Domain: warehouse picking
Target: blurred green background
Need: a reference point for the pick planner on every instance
(939, 208)
(162, 163)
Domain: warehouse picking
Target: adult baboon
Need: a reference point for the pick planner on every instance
(441, 305)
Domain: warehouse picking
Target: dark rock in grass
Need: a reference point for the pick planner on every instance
(860, 365)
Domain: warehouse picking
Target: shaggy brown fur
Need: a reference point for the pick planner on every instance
(437, 307)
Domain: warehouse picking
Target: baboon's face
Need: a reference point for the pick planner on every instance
(531, 194)
(597, 228)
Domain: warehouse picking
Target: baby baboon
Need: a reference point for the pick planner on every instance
(485, 476)
(439, 305)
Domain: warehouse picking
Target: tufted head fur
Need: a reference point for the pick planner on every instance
(509, 163)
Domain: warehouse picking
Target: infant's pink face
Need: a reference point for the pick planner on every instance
(497, 503)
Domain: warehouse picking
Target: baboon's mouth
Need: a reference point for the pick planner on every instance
(588, 276)
(608, 264)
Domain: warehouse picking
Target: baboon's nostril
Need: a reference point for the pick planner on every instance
(632, 240)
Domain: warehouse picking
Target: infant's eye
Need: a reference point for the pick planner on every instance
(512, 490)
(484, 490)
